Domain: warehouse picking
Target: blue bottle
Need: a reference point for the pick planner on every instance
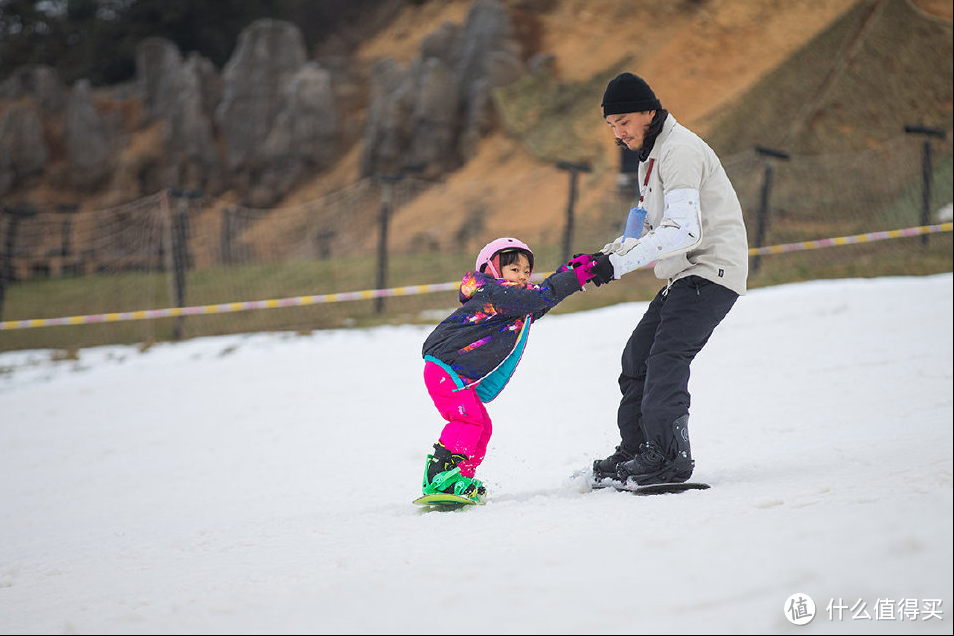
(634, 223)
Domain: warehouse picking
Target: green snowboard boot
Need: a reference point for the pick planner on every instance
(442, 475)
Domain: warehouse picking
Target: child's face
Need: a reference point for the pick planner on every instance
(518, 271)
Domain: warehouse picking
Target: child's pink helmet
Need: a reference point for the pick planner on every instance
(495, 247)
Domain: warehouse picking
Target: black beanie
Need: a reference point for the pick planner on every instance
(628, 93)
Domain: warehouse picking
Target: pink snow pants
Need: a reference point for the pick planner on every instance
(468, 427)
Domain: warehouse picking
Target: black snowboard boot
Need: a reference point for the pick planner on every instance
(606, 468)
(652, 466)
(442, 460)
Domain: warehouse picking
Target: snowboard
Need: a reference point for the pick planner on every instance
(652, 489)
(444, 500)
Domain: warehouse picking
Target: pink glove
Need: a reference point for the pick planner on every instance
(582, 265)
(580, 259)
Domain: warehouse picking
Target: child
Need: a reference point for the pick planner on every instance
(471, 355)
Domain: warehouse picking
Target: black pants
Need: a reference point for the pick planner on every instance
(655, 364)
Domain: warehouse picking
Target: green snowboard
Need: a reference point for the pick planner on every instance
(445, 500)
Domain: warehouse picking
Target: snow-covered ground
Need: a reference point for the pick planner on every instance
(262, 483)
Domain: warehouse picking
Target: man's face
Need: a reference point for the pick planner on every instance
(630, 128)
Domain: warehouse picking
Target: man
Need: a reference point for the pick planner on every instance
(695, 234)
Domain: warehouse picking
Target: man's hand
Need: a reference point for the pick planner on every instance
(602, 271)
(626, 246)
(610, 248)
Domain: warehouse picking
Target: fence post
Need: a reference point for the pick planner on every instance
(766, 195)
(926, 170)
(387, 195)
(225, 239)
(574, 169)
(10, 240)
(66, 230)
(180, 252)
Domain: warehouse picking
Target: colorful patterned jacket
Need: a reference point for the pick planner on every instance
(481, 343)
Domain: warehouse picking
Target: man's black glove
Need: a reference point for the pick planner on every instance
(602, 270)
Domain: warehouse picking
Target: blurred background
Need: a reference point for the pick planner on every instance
(168, 153)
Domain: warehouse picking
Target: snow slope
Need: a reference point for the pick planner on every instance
(262, 483)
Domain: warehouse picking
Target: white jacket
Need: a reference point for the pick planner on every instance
(694, 223)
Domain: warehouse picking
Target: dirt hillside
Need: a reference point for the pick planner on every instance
(698, 57)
